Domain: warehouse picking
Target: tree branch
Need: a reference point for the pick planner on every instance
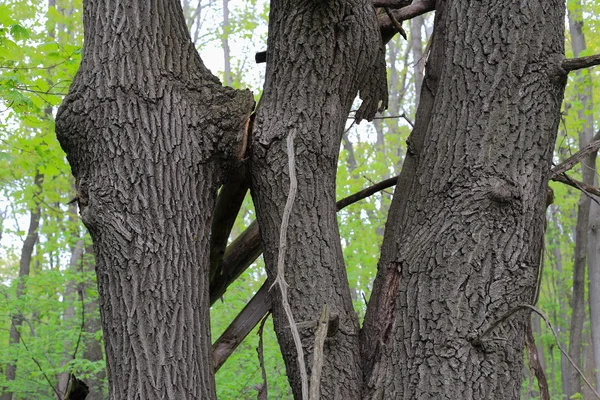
(246, 248)
(388, 30)
(573, 64)
(228, 206)
(241, 326)
(386, 25)
(391, 3)
(575, 158)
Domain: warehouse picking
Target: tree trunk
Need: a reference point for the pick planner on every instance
(148, 130)
(225, 43)
(319, 55)
(463, 240)
(24, 267)
(416, 24)
(585, 132)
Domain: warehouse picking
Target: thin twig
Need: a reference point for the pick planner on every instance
(262, 393)
(397, 24)
(583, 187)
(280, 278)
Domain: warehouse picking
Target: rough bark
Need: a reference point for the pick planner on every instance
(462, 243)
(24, 268)
(585, 133)
(319, 55)
(148, 131)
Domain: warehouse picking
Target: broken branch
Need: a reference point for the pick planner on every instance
(575, 158)
(573, 64)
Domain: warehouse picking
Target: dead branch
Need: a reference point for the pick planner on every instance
(241, 326)
(396, 23)
(388, 30)
(535, 364)
(575, 158)
(573, 64)
(263, 393)
(228, 206)
(391, 3)
(564, 178)
(318, 355)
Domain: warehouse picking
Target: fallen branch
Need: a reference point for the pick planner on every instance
(263, 393)
(573, 64)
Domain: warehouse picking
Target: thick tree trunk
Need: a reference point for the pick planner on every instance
(147, 128)
(462, 245)
(588, 165)
(319, 55)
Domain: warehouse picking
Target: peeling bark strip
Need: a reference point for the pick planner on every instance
(147, 129)
(320, 55)
(465, 233)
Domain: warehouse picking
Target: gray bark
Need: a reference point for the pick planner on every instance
(319, 55)
(464, 235)
(149, 131)
(588, 165)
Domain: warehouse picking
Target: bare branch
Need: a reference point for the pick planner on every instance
(388, 30)
(241, 326)
(575, 158)
(228, 206)
(573, 64)
(318, 355)
(535, 364)
(396, 23)
(391, 3)
(583, 187)
(246, 247)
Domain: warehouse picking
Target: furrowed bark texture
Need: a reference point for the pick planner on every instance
(463, 241)
(320, 54)
(147, 128)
